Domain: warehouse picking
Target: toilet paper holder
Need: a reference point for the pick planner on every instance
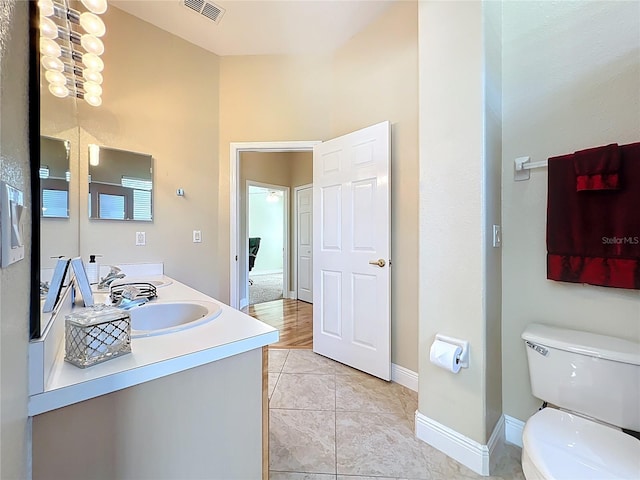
(463, 358)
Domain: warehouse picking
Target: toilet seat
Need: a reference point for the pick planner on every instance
(561, 446)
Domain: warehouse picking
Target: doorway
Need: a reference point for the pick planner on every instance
(267, 234)
(238, 297)
(276, 166)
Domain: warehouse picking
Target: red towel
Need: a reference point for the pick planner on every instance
(597, 168)
(594, 236)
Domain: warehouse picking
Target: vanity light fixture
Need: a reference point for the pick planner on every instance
(71, 58)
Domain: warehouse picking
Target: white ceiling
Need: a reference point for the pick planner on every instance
(262, 27)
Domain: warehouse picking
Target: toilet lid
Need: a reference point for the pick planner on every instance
(565, 446)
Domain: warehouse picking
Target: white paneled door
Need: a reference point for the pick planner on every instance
(304, 213)
(351, 249)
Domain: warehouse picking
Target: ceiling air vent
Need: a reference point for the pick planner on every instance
(207, 9)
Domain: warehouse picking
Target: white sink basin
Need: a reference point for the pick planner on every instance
(167, 317)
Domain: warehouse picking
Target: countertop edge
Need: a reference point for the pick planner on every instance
(62, 397)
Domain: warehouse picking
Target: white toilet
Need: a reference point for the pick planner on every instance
(594, 381)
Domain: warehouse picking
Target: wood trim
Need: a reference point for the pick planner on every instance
(265, 413)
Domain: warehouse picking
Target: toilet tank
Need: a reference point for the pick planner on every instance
(595, 375)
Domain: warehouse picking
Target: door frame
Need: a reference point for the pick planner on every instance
(235, 149)
(286, 234)
(295, 235)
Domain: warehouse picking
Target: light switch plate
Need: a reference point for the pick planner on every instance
(197, 236)
(497, 236)
(12, 215)
(141, 238)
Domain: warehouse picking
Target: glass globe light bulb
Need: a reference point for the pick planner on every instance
(92, 24)
(48, 28)
(93, 62)
(52, 63)
(59, 91)
(92, 76)
(55, 78)
(92, 44)
(49, 47)
(92, 88)
(95, 6)
(46, 7)
(93, 100)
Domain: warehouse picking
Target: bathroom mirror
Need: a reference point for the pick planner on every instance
(120, 184)
(55, 137)
(55, 176)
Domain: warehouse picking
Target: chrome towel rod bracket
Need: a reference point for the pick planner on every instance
(522, 165)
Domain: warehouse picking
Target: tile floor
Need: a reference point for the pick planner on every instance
(331, 422)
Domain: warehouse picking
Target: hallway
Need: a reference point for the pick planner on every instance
(331, 422)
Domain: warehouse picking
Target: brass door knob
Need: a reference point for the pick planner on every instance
(381, 263)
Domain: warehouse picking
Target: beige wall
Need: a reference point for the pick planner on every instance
(452, 243)
(492, 59)
(174, 118)
(301, 168)
(571, 76)
(14, 279)
(175, 427)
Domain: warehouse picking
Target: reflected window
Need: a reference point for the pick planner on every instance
(54, 177)
(120, 184)
(111, 207)
(55, 203)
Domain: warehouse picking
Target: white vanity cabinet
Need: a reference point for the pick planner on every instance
(191, 404)
(202, 423)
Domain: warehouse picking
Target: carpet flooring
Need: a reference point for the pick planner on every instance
(265, 288)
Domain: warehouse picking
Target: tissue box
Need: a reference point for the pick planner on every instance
(96, 334)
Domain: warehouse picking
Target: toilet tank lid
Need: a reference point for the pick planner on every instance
(584, 343)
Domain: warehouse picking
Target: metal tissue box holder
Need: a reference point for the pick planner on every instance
(96, 334)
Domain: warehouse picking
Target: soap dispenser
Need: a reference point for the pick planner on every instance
(93, 269)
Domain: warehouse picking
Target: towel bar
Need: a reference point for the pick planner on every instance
(522, 165)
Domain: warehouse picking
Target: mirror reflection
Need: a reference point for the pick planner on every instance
(54, 177)
(120, 184)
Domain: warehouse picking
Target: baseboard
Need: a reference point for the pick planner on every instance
(291, 294)
(513, 430)
(404, 376)
(496, 443)
(464, 450)
(244, 302)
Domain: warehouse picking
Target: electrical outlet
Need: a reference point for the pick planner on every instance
(141, 238)
(197, 236)
(497, 236)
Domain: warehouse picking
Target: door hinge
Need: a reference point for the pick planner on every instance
(236, 258)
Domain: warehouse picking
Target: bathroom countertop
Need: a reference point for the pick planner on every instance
(231, 333)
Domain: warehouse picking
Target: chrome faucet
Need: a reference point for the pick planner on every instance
(131, 297)
(114, 274)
